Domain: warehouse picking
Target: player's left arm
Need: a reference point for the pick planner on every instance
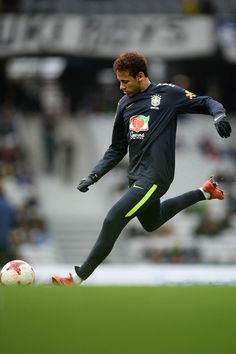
(188, 102)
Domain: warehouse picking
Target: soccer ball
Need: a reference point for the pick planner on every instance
(17, 272)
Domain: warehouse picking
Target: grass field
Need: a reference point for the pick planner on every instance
(118, 320)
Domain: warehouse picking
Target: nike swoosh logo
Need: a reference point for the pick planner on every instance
(137, 186)
(129, 106)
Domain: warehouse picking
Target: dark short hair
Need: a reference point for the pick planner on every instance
(132, 62)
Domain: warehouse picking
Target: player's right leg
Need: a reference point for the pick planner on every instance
(68, 281)
(135, 199)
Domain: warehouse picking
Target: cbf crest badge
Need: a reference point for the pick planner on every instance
(155, 101)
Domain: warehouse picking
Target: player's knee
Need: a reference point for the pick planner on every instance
(113, 218)
(108, 222)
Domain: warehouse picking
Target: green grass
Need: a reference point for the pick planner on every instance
(118, 320)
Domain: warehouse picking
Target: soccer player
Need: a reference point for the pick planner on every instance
(145, 124)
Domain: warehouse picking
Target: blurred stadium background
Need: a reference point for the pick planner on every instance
(58, 97)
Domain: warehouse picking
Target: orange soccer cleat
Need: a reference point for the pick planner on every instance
(211, 187)
(67, 281)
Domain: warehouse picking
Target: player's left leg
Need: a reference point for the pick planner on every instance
(158, 213)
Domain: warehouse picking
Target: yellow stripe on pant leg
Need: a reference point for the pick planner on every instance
(142, 201)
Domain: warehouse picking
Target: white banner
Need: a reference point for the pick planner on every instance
(168, 37)
(144, 274)
(226, 33)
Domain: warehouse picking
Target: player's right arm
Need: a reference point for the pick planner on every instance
(114, 154)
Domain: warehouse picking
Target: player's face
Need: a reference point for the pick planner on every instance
(129, 85)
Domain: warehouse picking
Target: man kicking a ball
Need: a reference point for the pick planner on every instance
(145, 124)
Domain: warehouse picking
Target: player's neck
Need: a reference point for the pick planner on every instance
(145, 84)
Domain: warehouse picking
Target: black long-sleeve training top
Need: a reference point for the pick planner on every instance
(145, 124)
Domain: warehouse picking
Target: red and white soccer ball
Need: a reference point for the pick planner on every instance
(17, 272)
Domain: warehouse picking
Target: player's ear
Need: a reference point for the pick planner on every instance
(140, 76)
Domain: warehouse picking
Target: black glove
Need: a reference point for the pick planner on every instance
(222, 125)
(87, 181)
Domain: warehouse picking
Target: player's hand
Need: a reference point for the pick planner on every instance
(87, 181)
(222, 125)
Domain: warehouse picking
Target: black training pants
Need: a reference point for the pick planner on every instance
(142, 200)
